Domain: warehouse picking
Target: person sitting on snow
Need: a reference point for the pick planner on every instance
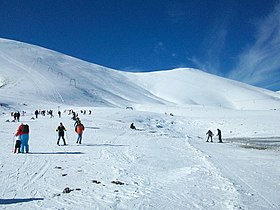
(132, 126)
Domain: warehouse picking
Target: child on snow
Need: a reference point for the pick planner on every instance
(17, 145)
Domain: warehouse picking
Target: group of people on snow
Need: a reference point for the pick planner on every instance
(43, 113)
(210, 135)
(16, 116)
(79, 129)
(22, 134)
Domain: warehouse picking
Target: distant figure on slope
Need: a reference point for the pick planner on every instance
(219, 135)
(209, 135)
(77, 121)
(15, 116)
(132, 126)
(51, 113)
(23, 133)
(59, 114)
(79, 130)
(36, 113)
(61, 130)
(18, 116)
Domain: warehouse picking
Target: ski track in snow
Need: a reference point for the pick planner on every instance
(250, 188)
(37, 83)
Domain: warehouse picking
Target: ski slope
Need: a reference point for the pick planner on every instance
(164, 164)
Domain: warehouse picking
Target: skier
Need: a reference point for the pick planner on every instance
(210, 134)
(23, 133)
(79, 130)
(219, 135)
(61, 130)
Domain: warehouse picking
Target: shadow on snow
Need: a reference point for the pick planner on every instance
(92, 128)
(56, 153)
(103, 145)
(19, 200)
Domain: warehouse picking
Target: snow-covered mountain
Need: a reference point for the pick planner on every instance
(29, 73)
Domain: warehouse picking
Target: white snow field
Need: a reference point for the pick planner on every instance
(165, 163)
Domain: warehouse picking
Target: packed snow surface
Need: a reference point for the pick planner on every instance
(165, 163)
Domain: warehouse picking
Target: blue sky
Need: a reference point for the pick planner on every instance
(237, 39)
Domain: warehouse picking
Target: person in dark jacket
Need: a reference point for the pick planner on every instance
(209, 135)
(59, 114)
(132, 126)
(61, 130)
(219, 135)
(36, 113)
(17, 145)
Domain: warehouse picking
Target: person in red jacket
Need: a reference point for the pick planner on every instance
(79, 130)
(23, 133)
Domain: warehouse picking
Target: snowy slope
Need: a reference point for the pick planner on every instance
(194, 87)
(46, 75)
(49, 76)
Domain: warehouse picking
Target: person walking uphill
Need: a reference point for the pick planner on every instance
(79, 130)
(61, 130)
(23, 133)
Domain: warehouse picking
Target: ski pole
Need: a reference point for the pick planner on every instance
(13, 143)
(66, 136)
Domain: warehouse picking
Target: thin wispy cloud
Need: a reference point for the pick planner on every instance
(214, 45)
(259, 64)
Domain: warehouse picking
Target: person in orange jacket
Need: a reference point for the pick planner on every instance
(79, 130)
(23, 133)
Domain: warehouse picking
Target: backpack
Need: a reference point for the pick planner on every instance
(25, 128)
